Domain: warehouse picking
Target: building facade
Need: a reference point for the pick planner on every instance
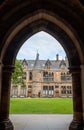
(19, 20)
(44, 78)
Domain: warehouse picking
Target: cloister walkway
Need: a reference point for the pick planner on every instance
(41, 121)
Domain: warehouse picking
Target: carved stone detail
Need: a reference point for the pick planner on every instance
(6, 125)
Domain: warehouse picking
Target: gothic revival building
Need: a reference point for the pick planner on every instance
(64, 20)
(44, 78)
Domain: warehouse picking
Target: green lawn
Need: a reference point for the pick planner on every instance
(41, 105)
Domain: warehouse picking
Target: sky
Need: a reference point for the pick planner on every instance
(43, 43)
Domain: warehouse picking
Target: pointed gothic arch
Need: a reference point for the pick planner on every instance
(19, 21)
(14, 41)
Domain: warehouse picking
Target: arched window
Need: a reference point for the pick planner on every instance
(24, 76)
(30, 75)
(63, 76)
(63, 89)
(14, 91)
(23, 91)
(69, 90)
(52, 73)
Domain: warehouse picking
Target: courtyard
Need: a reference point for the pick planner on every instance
(41, 121)
(41, 106)
(41, 113)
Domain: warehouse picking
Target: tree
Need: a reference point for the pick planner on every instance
(17, 76)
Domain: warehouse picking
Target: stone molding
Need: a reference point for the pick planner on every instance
(8, 68)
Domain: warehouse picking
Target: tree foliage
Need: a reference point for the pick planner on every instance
(17, 76)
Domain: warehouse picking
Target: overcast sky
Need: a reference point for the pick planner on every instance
(45, 44)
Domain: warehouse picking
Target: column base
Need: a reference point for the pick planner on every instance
(76, 125)
(6, 124)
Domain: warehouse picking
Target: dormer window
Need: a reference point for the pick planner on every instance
(62, 64)
(48, 64)
(25, 64)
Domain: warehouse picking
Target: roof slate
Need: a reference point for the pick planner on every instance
(40, 64)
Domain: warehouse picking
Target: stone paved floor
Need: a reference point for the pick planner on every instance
(41, 121)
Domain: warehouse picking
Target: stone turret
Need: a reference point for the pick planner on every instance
(37, 56)
(36, 64)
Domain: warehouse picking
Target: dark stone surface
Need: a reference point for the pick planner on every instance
(76, 125)
(6, 125)
(13, 13)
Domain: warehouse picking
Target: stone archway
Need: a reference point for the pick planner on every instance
(19, 21)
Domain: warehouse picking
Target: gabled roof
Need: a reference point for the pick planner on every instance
(48, 63)
(62, 63)
(24, 62)
(40, 64)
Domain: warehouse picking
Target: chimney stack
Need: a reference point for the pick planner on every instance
(57, 57)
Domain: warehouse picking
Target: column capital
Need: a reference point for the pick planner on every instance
(74, 69)
(8, 68)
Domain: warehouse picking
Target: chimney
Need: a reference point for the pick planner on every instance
(57, 57)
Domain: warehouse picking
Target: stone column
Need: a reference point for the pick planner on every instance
(60, 90)
(77, 122)
(0, 80)
(5, 123)
(82, 84)
(19, 90)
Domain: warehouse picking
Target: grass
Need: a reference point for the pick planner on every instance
(41, 105)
